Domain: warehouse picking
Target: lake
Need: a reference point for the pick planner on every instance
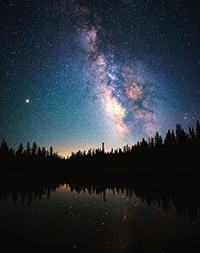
(76, 218)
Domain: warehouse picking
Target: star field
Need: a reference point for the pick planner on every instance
(74, 74)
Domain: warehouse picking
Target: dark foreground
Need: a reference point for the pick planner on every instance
(89, 212)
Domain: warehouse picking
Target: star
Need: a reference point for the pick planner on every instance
(27, 101)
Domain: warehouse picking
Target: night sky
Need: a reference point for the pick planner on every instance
(74, 74)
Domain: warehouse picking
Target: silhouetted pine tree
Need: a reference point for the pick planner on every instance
(20, 150)
(28, 150)
(34, 149)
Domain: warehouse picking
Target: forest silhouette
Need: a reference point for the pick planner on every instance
(177, 151)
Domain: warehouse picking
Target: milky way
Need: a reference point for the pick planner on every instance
(123, 96)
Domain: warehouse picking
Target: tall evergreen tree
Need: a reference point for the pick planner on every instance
(28, 150)
(34, 149)
(20, 150)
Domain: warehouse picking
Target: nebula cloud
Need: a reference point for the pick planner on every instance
(141, 99)
(133, 91)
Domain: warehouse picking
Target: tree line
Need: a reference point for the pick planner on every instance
(178, 138)
(29, 152)
(30, 157)
(178, 147)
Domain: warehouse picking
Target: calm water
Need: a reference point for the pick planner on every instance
(75, 219)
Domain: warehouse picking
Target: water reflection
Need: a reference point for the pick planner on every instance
(165, 194)
(119, 215)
